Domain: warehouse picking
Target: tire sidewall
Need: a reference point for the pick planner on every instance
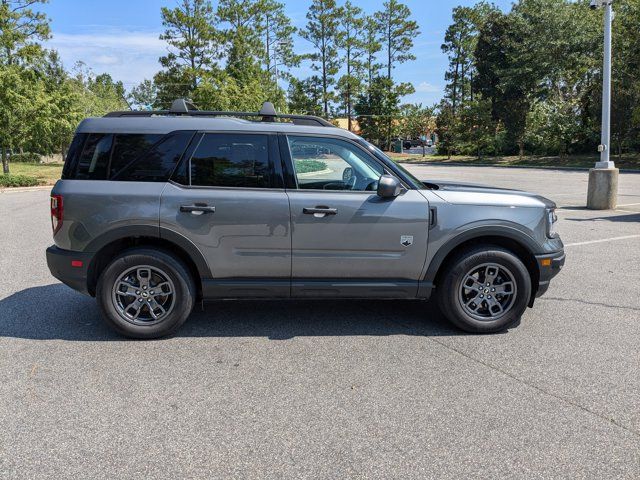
(184, 296)
(449, 299)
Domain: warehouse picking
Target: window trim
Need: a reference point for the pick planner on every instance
(287, 160)
(273, 153)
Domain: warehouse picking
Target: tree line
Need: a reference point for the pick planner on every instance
(233, 56)
(529, 80)
(523, 81)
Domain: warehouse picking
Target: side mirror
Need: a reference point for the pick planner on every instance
(389, 186)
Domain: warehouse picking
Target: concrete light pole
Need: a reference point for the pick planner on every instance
(603, 179)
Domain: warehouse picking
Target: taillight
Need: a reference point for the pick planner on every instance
(57, 212)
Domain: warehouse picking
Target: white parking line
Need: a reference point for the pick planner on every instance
(601, 240)
(628, 204)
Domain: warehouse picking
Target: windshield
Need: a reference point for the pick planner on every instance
(381, 155)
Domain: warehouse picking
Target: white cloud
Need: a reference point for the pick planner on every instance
(128, 55)
(106, 59)
(426, 87)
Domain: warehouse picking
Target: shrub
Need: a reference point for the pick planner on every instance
(25, 158)
(308, 166)
(18, 181)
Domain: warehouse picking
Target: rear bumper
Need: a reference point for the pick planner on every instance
(549, 265)
(60, 266)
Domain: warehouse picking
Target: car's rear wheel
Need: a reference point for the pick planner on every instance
(145, 293)
(485, 289)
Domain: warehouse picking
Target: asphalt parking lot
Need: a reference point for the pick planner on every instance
(327, 389)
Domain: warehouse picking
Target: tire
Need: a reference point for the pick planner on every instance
(126, 286)
(498, 305)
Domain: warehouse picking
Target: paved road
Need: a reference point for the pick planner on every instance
(322, 389)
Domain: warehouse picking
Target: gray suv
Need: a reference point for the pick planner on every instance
(158, 210)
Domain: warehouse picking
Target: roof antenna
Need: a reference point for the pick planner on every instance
(268, 112)
(181, 105)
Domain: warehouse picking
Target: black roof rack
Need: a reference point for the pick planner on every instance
(182, 107)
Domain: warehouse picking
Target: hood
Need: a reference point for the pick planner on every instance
(474, 194)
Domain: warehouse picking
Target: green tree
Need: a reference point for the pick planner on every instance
(351, 24)
(372, 46)
(459, 46)
(143, 96)
(305, 96)
(22, 98)
(398, 32)
(244, 48)
(503, 76)
(278, 40)
(20, 29)
(378, 110)
(417, 122)
(194, 47)
(322, 31)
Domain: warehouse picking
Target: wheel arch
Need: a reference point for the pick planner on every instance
(111, 244)
(510, 239)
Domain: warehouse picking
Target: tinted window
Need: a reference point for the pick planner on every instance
(99, 156)
(231, 160)
(128, 147)
(158, 164)
(94, 160)
(73, 155)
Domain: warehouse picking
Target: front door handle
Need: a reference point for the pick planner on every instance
(197, 209)
(320, 211)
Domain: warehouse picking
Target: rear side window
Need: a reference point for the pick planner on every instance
(129, 147)
(136, 157)
(159, 162)
(93, 163)
(231, 160)
(73, 154)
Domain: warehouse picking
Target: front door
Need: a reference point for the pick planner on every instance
(347, 241)
(227, 200)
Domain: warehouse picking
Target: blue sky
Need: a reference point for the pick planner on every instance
(121, 37)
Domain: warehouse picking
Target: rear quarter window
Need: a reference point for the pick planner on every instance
(132, 157)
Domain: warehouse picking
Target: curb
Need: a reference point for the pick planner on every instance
(25, 189)
(495, 165)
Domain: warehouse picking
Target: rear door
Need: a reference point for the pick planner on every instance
(228, 199)
(347, 241)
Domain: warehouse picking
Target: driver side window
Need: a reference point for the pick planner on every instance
(332, 164)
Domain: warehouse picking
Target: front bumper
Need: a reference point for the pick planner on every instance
(71, 274)
(549, 265)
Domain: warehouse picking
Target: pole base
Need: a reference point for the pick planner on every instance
(607, 164)
(602, 193)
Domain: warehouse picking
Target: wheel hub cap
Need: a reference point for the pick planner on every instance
(143, 295)
(487, 292)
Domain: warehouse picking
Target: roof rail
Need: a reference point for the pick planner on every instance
(182, 107)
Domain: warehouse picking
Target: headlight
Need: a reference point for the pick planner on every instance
(552, 218)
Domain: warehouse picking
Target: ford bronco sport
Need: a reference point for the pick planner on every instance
(158, 210)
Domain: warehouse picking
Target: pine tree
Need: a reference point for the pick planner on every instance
(323, 33)
(398, 32)
(351, 25)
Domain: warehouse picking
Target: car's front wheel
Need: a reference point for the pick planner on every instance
(484, 289)
(145, 293)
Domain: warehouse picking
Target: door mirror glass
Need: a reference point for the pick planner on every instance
(389, 186)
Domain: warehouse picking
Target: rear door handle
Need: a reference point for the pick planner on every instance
(197, 209)
(319, 210)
